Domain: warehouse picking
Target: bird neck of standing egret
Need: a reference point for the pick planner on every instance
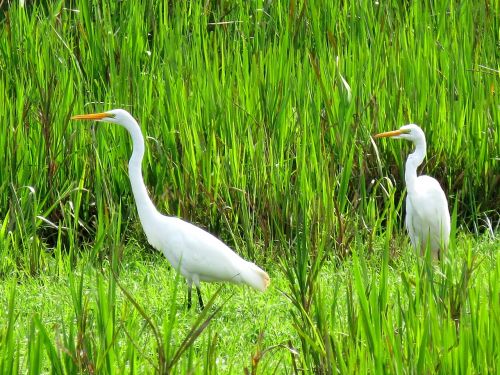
(414, 160)
(145, 206)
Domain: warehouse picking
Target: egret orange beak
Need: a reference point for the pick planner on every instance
(393, 133)
(92, 116)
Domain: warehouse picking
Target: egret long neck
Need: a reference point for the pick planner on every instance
(145, 206)
(414, 160)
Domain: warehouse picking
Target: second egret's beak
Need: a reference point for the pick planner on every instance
(93, 116)
(393, 133)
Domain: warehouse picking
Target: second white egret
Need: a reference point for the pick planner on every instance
(427, 215)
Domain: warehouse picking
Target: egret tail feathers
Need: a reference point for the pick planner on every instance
(255, 277)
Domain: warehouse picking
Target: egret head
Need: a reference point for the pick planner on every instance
(115, 116)
(410, 132)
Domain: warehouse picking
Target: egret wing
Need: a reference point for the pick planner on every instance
(428, 215)
(204, 257)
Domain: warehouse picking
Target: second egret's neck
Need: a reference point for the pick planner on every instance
(414, 160)
(145, 206)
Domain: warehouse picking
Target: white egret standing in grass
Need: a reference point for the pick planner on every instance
(197, 254)
(427, 215)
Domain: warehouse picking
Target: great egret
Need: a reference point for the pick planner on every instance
(427, 215)
(197, 254)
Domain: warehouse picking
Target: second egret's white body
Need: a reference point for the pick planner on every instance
(427, 215)
(197, 254)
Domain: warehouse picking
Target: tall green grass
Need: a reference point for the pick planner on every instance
(365, 315)
(258, 118)
(246, 118)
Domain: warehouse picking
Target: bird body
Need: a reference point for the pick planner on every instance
(195, 253)
(180, 242)
(428, 222)
(427, 215)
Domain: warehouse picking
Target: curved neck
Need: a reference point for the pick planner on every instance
(145, 206)
(414, 160)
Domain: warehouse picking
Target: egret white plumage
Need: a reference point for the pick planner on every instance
(197, 254)
(427, 214)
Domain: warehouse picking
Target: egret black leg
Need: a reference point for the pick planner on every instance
(190, 288)
(200, 300)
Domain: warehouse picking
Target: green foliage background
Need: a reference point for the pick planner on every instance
(258, 116)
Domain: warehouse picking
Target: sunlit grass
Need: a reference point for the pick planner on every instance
(362, 315)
